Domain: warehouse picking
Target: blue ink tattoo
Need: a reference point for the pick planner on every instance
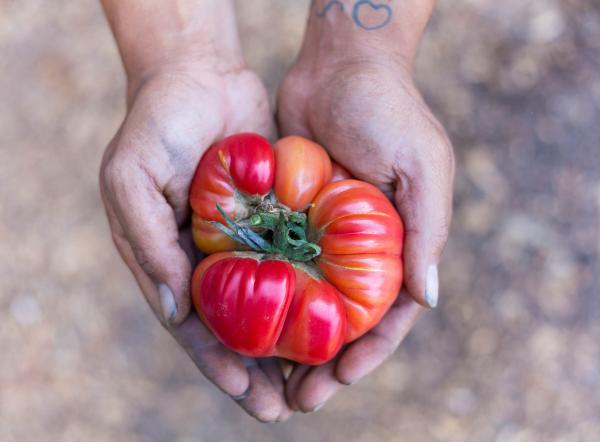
(368, 4)
(384, 11)
(330, 5)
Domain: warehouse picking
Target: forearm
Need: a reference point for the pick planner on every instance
(358, 30)
(154, 33)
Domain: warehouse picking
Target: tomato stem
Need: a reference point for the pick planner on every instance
(275, 231)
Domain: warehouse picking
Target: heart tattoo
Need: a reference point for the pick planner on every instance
(366, 14)
(370, 16)
(330, 5)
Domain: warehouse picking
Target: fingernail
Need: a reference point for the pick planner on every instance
(432, 289)
(318, 407)
(167, 302)
(286, 368)
(242, 396)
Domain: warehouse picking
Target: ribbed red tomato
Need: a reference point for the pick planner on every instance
(301, 259)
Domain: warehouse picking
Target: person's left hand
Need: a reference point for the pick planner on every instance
(373, 121)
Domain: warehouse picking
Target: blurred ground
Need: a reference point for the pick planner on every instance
(512, 352)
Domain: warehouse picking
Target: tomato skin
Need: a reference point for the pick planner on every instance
(244, 163)
(208, 238)
(265, 307)
(244, 300)
(339, 173)
(361, 237)
(315, 326)
(369, 285)
(251, 163)
(302, 169)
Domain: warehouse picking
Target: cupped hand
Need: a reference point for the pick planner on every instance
(173, 116)
(370, 117)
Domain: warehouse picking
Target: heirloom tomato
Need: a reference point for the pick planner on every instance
(301, 258)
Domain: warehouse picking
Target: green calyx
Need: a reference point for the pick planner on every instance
(276, 231)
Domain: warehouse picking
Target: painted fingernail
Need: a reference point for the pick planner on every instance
(432, 289)
(167, 302)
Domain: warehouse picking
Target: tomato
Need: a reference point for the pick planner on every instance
(361, 237)
(338, 173)
(261, 307)
(302, 169)
(302, 259)
(243, 163)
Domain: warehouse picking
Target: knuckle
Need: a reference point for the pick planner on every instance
(114, 171)
(443, 146)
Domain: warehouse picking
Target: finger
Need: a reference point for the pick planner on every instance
(286, 367)
(224, 368)
(424, 199)
(186, 242)
(272, 368)
(364, 355)
(293, 384)
(148, 287)
(239, 377)
(262, 400)
(148, 227)
(314, 387)
(221, 366)
(311, 387)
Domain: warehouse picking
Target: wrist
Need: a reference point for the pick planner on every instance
(180, 35)
(186, 62)
(360, 31)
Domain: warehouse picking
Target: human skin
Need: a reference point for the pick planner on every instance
(351, 89)
(187, 87)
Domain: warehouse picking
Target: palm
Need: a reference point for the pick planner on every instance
(369, 119)
(173, 118)
(372, 121)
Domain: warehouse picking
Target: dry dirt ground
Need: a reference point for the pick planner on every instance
(512, 352)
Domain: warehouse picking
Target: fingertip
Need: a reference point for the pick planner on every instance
(432, 286)
(241, 397)
(319, 385)
(273, 369)
(285, 414)
(420, 274)
(359, 360)
(167, 304)
(426, 214)
(183, 308)
(262, 400)
(293, 383)
(366, 354)
(422, 285)
(220, 365)
(174, 308)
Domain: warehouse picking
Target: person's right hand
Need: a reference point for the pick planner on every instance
(174, 115)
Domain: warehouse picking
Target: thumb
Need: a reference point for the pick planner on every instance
(146, 233)
(424, 200)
